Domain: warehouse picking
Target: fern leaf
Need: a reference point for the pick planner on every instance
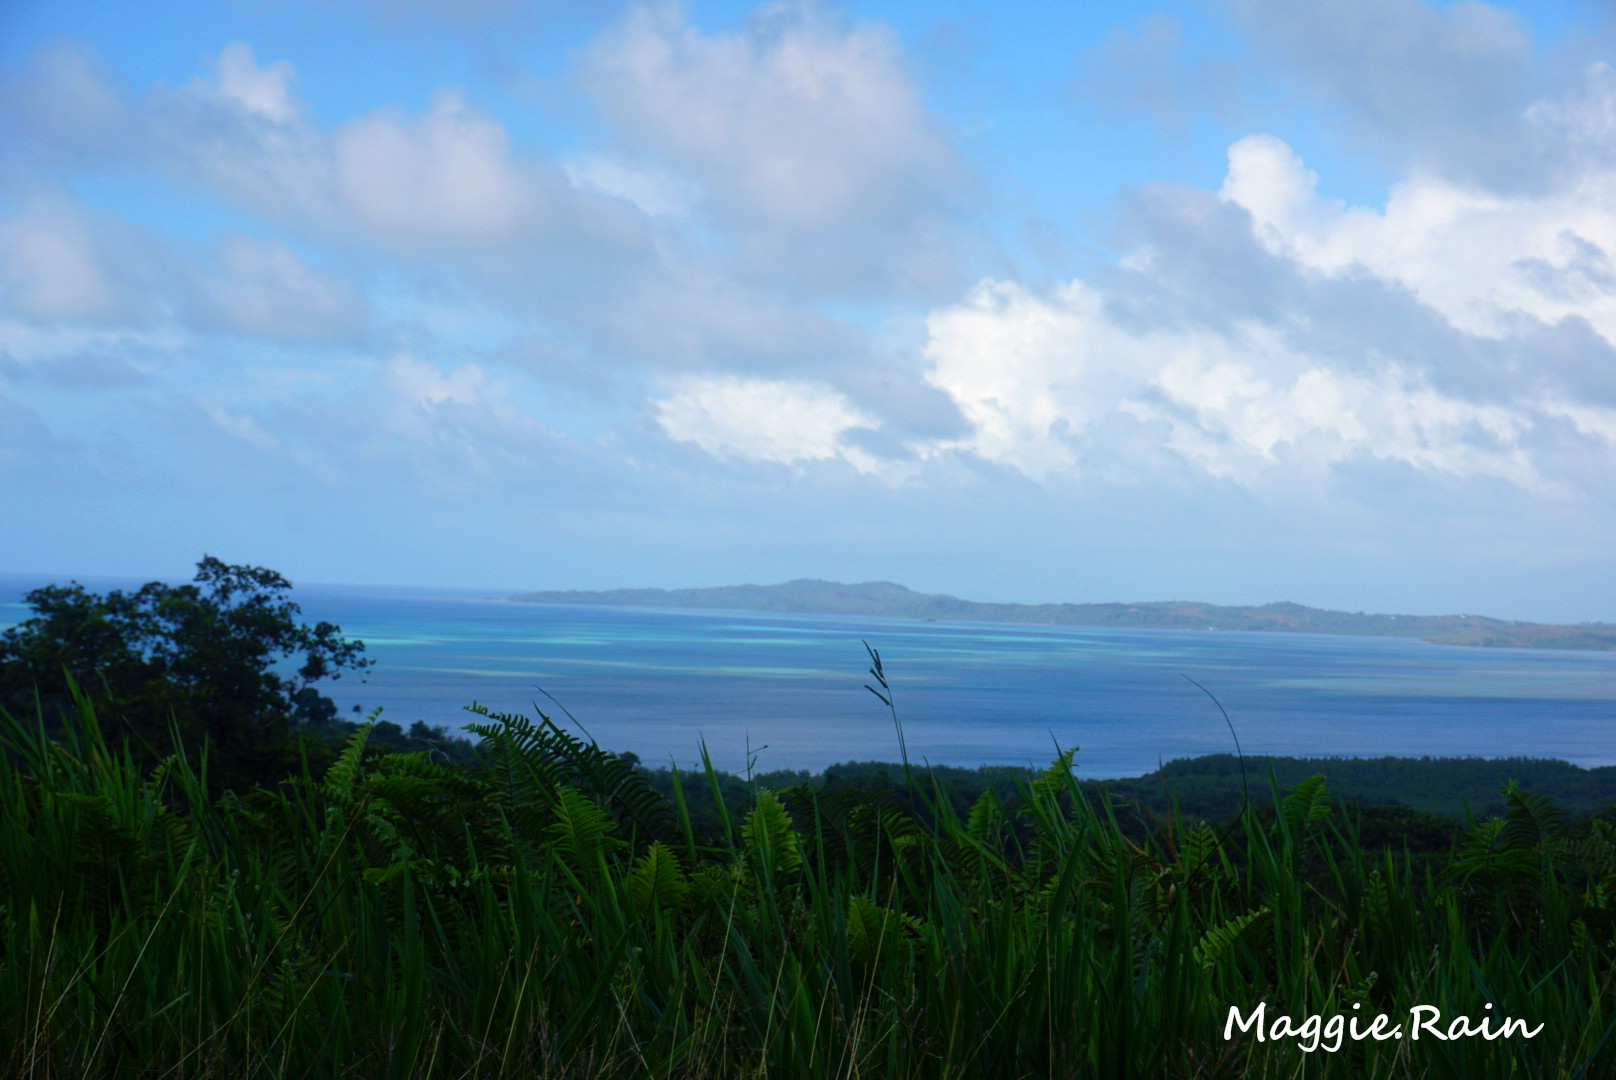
(873, 931)
(581, 827)
(771, 840)
(657, 881)
(343, 775)
(1307, 804)
(986, 818)
(1221, 938)
(1530, 818)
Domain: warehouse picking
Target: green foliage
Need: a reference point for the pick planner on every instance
(1219, 939)
(657, 881)
(1210, 786)
(533, 912)
(188, 665)
(1307, 805)
(771, 841)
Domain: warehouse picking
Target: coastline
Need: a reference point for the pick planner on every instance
(884, 599)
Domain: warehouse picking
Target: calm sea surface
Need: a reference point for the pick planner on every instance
(791, 687)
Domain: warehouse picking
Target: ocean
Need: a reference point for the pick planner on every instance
(788, 691)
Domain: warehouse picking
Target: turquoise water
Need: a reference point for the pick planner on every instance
(791, 687)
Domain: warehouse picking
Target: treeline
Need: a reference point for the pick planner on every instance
(1453, 787)
(1422, 800)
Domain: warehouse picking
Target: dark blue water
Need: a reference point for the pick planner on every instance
(791, 687)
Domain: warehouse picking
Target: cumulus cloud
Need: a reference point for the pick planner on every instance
(264, 289)
(1051, 382)
(1465, 329)
(1480, 258)
(1018, 367)
(1266, 332)
(764, 420)
(1438, 87)
(61, 262)
(1264, 335)
(748, 176)
(446, 180)
(263, 90)
(65, 106)
(804, 134)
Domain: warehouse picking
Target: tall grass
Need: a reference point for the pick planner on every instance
(545, 913)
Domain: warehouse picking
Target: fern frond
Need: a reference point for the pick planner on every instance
(343, 775)
(1221, 938)
(657, 881)
(771, 839)
(581, 828)
(1307, 804)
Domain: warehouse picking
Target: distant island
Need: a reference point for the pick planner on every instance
(885, 599)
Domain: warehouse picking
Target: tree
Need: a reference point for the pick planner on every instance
(210, 660)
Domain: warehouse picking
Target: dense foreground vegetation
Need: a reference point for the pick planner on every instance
(544, 912)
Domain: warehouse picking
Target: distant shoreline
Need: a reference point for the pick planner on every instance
(885, 599)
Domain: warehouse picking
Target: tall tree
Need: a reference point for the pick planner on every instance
(223, 661)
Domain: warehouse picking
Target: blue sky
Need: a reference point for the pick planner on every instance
(1237, 301)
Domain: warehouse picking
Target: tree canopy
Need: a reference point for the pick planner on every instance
(223, 661)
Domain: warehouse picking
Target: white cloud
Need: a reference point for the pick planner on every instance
(60, 262)
(66, 106)
(420, 386)
(1239, 423)
(1433, 86)
(1589, 420)
(445, 178)
(1015, 365)
(264, 289)
(753, 173)
(1290, 332)
(763, 420)
(240, 426)
(654, 192)
(1480, 258)
(259, 89)
(1035, 373)
(686, 243)
(804, 133)
(443, 182)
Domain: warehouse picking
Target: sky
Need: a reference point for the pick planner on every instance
(1226, 300)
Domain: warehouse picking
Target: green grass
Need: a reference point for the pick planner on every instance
(544, 912)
